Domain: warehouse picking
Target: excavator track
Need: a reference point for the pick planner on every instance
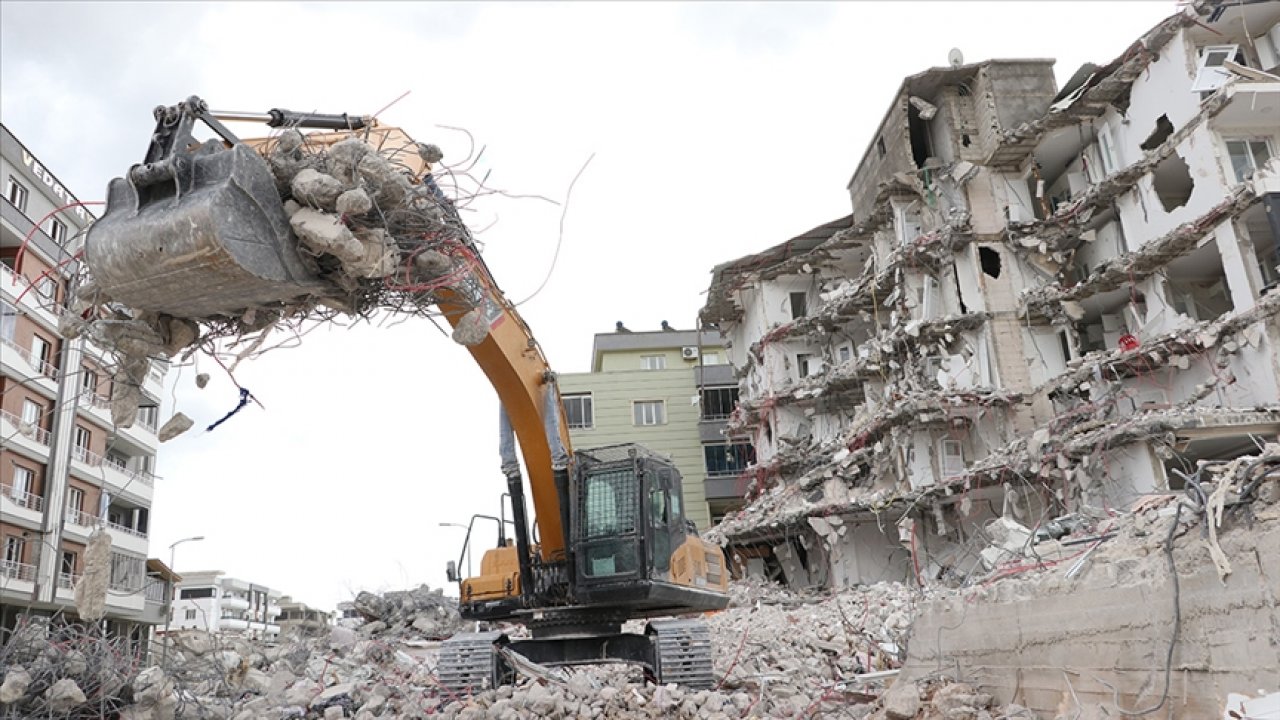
(469, 662)
(682, 649)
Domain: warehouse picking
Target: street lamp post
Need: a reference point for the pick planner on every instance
(168, 616)
(464, 527)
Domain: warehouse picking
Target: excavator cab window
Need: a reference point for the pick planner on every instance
(611, 527)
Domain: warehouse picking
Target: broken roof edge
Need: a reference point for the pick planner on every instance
(804, 242)
(933, 72)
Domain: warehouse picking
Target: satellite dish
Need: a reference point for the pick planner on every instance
(955, 57)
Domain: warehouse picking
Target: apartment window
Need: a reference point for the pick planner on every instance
(718, 402)
(148, 415)
(14, 548)
(75, 504)
(82, 440)
(68, 563)
(17, 193)
(710, 358)
(578, 411)
(57, 230)
(845, 353)
(728, 460)
(952, 458)
(24, 481)
(1106, 149)
(40, 351)
(649, 412)
(191, 614)
(47, 288)
(804, 364)
(799, 307)
(127, 572)
(1247, 156)
(88, 380)
(196, 593)
(32, 412)
(653, 362)
(1210, 74)
(8, 320)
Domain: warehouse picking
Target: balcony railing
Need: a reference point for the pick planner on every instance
(126, 529)
(17, 571)
(23, 287)
(67, 581)
(154, 591)
(141, 476)
(27, 429)
(89, 398)
(86, 456)
(40, 365)
(22, 498)
(83, 519)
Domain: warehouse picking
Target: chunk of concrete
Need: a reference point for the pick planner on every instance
(354, 202)
(323, 233)
(64, 696)
(472, 329)
(175, 426)
(91, 589)
(16, 681)
(314, 188)
(902, 701)
(343, 159)
(431, 264)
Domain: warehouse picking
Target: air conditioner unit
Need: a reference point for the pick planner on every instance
(689, 352)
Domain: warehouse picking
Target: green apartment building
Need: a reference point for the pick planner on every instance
(671, 391)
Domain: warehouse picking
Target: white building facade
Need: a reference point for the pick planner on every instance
(215, 603)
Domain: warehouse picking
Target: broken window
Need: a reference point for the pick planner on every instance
(1210, 73)
(1248, 156)
(578, 411)
(990, 260)
(845, 352)
(1172, 182)
(799, 305)
(803, 364)
(909, 223)
(918, 129)
(1196, 285)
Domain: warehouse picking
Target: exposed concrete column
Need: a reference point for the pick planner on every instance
(47, 566)
(1243, 279)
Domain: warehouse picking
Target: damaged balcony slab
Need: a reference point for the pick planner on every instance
(1138, 265)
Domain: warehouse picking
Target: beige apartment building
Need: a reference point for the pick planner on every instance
(671, 391)
(65, 469)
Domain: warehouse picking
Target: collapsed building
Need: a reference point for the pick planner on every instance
(1045, 304)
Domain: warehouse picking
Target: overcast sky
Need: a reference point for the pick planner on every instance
(718, 129)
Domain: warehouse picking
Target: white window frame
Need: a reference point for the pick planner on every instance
(648, 413)
(24, 480)
(88, 380)
(30, 408)
(590, 414)
(1107, 151)
(16, 193)
(12, 557)
(41, 352)
(653, 362)
(75, 503)
(951, 457)
(8, 321)
(57, 230)
(82, 439)
(711, 358)
(1248, 142)
(906, 222)
(1211, 77)
(47, 288)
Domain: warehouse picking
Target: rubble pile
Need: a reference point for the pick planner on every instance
(422, 611)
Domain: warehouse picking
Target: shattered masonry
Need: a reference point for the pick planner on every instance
(1045, 305)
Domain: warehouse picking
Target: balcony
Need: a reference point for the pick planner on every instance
(67, 581)
(127, 538)
(33, 364)
(1249, 104)
(23, 499)
(46, 311)
(15, 571)
(97, 405)
(136, 482)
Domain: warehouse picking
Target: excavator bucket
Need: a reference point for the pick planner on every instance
(197, 231)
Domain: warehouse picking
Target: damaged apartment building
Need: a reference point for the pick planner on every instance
(1045, 304)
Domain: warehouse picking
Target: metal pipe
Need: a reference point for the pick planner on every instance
(233, 116)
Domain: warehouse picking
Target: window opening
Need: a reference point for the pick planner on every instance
(799, 305)
(718, 402)
(1248, 156)
(578, 411)
(653, 362)
(990, 261)
(1163, 130)
(1172, 182)
(649, 412)
(16, 192)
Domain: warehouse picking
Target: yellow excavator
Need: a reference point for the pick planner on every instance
(208, 233)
